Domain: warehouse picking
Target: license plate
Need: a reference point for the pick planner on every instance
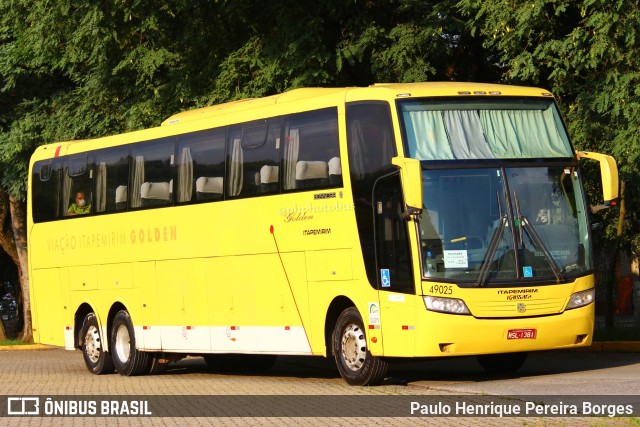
(521, 334)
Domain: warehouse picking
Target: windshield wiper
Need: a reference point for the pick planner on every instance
(491, 251)
(533, 234)
(525, 225)
(493, 246)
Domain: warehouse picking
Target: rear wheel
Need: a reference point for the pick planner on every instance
(97, 360)
(503, 363)
(127, 359)
(356, 364)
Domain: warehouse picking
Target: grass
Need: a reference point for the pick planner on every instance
(12, 342)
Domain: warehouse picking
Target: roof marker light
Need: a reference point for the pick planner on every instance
(495, 92)
(403, 95)
(479, 92)
(464, 93)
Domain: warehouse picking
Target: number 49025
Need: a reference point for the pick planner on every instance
(441, 289)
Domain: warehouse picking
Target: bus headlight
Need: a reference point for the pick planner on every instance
(580, 299)
(446, 305)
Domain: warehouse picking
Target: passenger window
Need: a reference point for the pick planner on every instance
(77, 186)
(112, 179)
(370, 139)
(254, 159)
(200, 166)
(152, 174)
(45, 190)
(311, 157)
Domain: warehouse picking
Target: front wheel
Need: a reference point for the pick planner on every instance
(97, 360)
(356, 364)
(127, 359)
(503, 363)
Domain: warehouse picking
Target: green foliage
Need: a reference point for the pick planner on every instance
(587, 53)
(75, 70)
(7, 343)
(72, 70)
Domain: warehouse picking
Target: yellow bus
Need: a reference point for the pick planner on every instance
(369, 224)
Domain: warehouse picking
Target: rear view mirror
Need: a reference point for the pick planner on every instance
(609, 176)
(411, 178)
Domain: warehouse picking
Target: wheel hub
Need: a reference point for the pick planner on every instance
(92, 344)
(354, 347)
(122, 343)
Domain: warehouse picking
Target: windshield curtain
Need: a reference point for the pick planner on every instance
(496, 128)
(486, 225)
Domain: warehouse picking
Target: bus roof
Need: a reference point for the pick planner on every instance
(376, 91)
(300, 100)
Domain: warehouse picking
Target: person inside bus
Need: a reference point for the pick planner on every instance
(79, 206)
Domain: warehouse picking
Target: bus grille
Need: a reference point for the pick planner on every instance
(518, 308)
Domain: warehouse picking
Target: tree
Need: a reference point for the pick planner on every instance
(346, 43)
(7, 244)
(76, 70)
(587, 53)
(73, 70)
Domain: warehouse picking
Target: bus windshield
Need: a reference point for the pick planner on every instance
(481, 226)
(484, 128)
(506, 218)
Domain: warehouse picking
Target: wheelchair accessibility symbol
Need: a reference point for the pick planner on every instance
(385, 278)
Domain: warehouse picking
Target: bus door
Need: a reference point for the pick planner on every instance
(396, 287)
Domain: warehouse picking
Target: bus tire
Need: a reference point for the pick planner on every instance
(502, 363)
(127, 360)
(356, 364)
(97, 360)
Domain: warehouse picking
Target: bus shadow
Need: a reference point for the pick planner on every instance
(285, 366)
(403, 373)
(467, 369)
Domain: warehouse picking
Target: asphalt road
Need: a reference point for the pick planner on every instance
(56, 372)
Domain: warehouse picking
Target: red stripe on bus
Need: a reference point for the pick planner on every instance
(57, 151)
